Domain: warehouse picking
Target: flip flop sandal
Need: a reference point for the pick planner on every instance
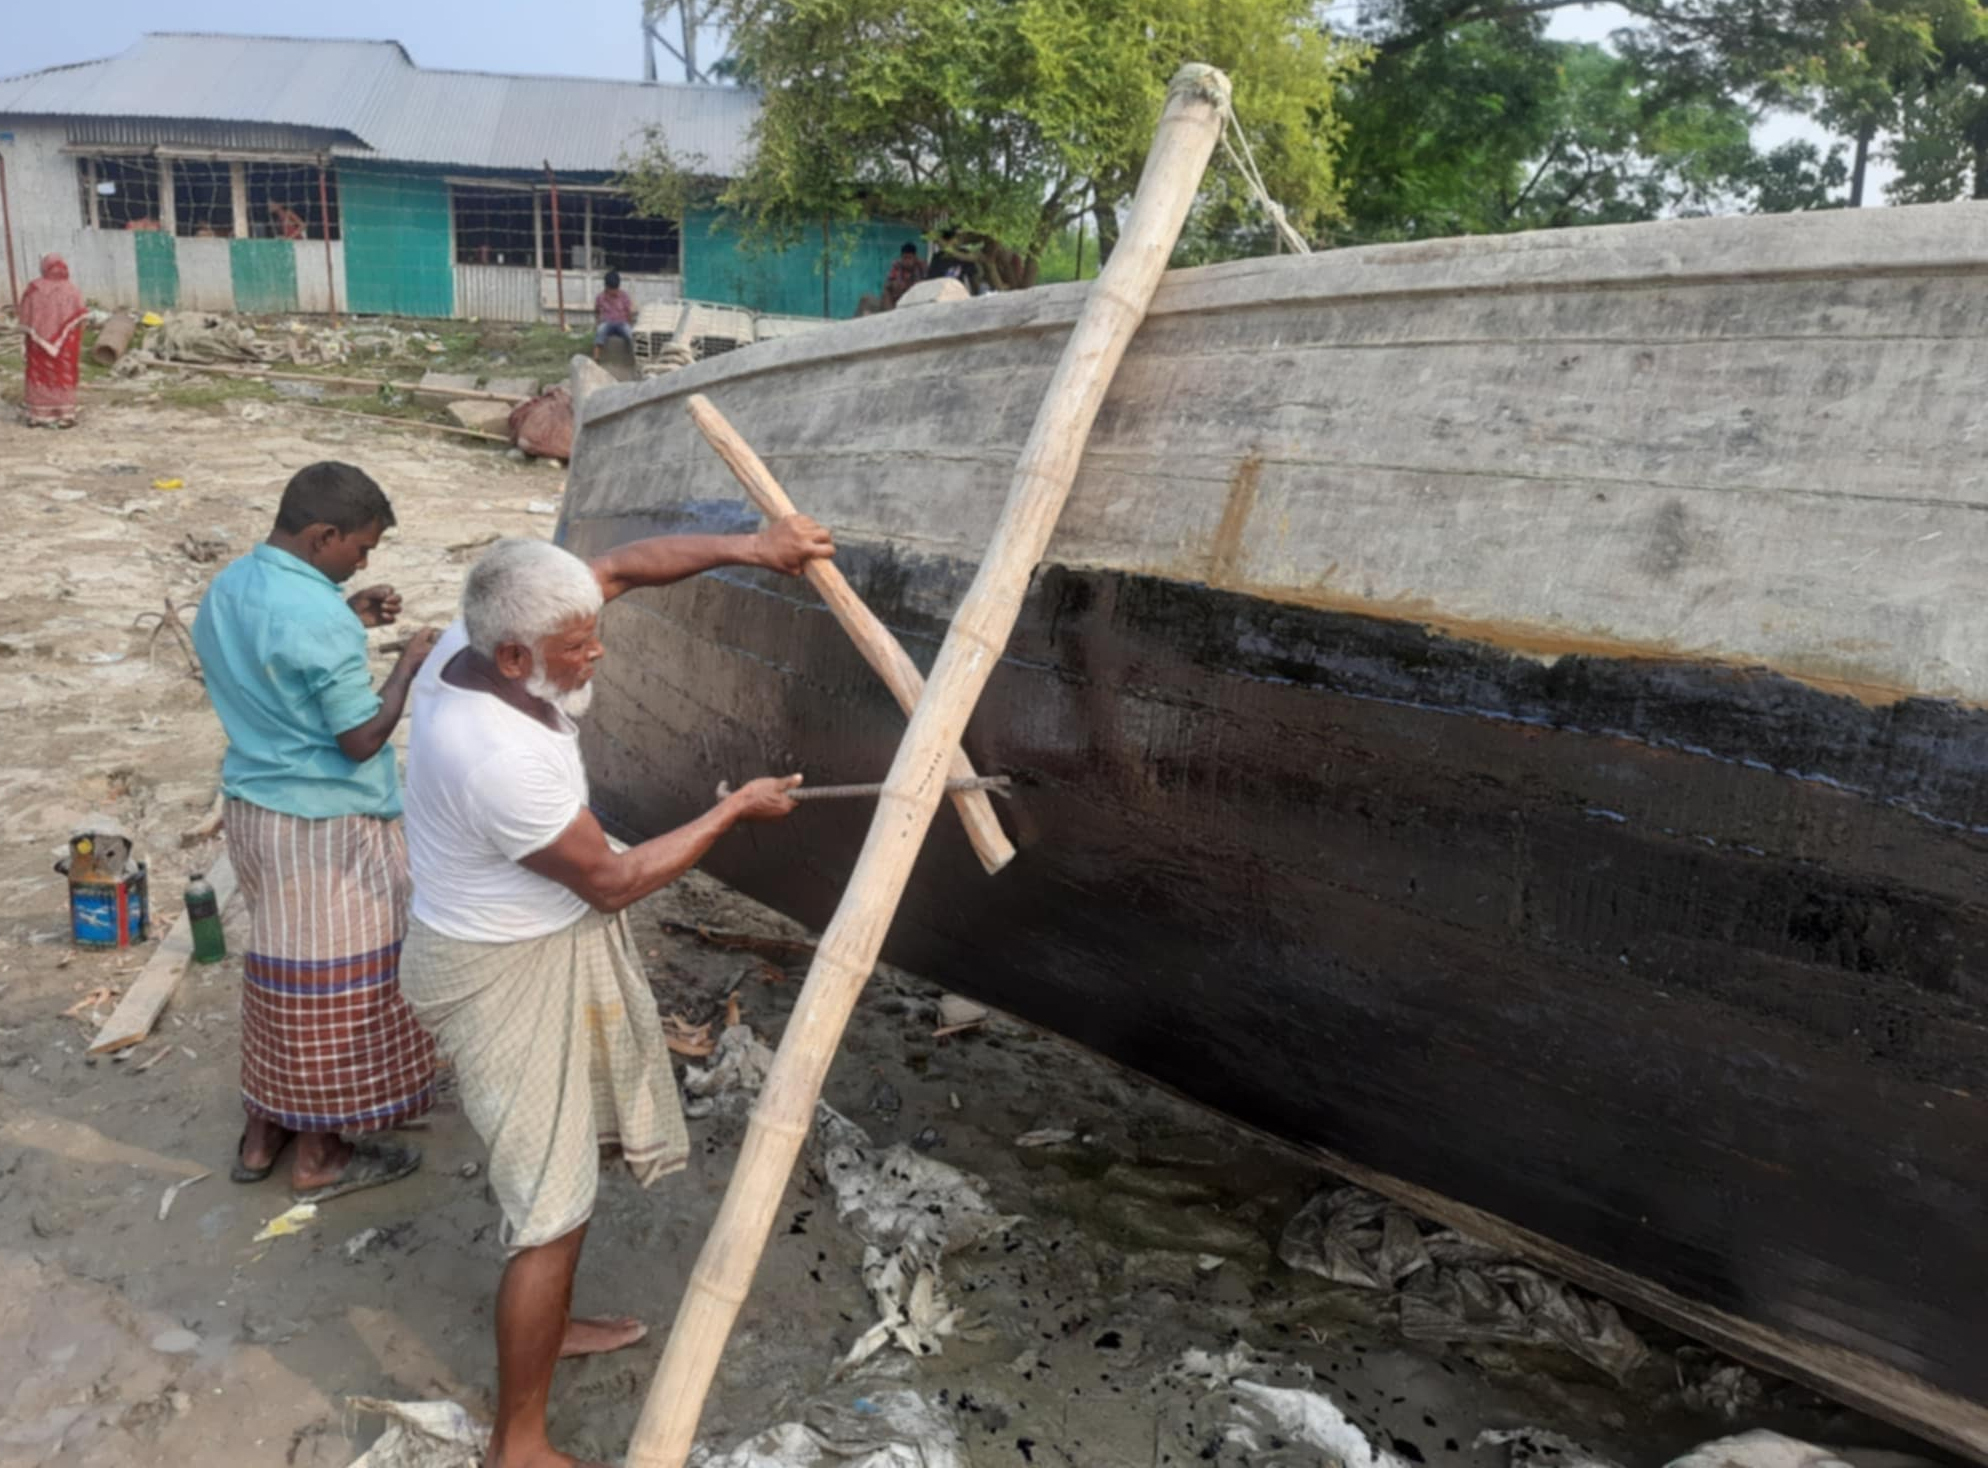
(373, 1165)
(241, 1172)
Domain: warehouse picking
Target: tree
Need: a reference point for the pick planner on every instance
(1874, 65)
(1439, 133)
(1942, 147)
(1007, 121)
(1865, 69)
(1492, 126)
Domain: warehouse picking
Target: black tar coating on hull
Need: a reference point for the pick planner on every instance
(1680, 966)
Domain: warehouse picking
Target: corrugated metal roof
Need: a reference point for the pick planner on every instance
(392, 109)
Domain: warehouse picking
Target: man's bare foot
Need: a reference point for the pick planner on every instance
(320, 1159)
(597, 1337)
(262, 1142)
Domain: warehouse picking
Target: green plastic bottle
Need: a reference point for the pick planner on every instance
(209, 944)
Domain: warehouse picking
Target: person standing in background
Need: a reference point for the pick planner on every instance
(52, 316)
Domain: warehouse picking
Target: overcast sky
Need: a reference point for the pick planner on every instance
(568, 38)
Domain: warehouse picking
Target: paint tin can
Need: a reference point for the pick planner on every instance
(109, 901)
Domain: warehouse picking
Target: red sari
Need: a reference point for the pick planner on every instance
(52, 313)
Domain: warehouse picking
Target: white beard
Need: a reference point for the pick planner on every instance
(573, 702)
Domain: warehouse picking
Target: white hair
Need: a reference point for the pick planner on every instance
(524, 591)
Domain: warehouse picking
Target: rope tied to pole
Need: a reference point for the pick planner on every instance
(1207, 82)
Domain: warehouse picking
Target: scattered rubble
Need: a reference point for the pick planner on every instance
(889, 1429)
(910, 1212)
(1450, 1287)
(422, 1435)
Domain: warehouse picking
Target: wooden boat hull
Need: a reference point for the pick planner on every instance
(1358, 798)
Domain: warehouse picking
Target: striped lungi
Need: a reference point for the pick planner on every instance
(328, 1044)
(558, 1052)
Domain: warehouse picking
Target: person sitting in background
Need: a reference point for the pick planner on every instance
(614, 314)
(288, 223)
(905, 272)
(949, 262)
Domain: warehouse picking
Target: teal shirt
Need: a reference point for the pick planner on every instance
(285, 662)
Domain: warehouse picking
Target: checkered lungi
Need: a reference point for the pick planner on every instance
(328, 1044)
(559, 1052)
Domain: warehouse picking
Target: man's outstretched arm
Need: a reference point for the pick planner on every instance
(582, 861)
(786, 546)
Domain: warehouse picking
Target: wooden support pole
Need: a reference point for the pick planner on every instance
(1114, 307)
(558, 265)
(324, 233)
(7, 231)
(238, 199)
(386, 421)
(873, 640)
(168, 200)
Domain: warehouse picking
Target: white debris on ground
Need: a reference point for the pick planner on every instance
(1450, 1287)
(910, 1212)
(1707, 1382)
(1772, 1450)
(908, 1209)
(730, 1083)
(893, 1429)
(210, 338)
(206, 338)
(422, 1435)
(1268, 1426)
(1534, 1447)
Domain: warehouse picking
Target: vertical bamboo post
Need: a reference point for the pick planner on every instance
(1113, 309)
(7, 228)
(324, 230)
(883, 652)
(558, 265)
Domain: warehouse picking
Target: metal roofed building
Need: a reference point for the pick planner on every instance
(258, 173)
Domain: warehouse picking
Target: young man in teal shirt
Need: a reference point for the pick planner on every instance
(330, 1050)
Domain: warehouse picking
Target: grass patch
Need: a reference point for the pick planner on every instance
(527, 350)
(213, 392)
(377, 406)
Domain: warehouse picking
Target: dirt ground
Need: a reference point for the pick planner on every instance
(127, 1339)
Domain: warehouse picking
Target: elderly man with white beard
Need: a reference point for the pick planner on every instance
(516, 960)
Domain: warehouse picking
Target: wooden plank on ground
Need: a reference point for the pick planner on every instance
(140, 1008)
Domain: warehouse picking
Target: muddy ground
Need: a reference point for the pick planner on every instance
(125, 1339)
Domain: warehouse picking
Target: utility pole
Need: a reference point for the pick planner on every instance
(693, 22)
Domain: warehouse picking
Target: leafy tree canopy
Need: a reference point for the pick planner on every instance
(1007, 121)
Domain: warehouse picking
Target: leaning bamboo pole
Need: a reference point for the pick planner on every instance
(1116, 304)
(873, 640)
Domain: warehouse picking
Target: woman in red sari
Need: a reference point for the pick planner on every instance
(52, 313)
